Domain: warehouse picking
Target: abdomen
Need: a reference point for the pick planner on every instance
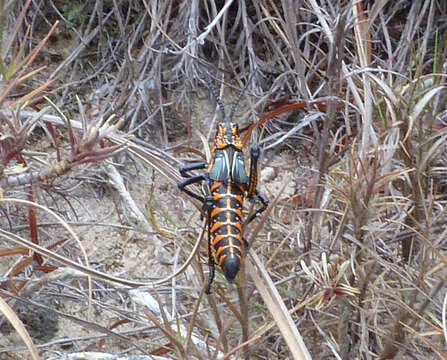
(226, 226)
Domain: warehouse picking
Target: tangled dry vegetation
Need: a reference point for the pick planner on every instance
(103, 258)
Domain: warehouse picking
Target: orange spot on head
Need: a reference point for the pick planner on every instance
(223, 139)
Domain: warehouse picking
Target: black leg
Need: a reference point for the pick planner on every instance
(264, 203)
(252, 185)
(253, 193)
(192, 180)
(208, 198)
(211, 267)
(207, 201)
(211, 264)
(193, 166)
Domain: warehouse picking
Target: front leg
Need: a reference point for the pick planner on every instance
(189, 167)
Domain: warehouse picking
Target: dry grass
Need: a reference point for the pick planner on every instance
(347, 101)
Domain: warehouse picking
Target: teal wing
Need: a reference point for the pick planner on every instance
(228, 164)
(220, 169)
(238, 173)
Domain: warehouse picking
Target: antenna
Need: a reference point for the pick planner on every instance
(238, 100)
(213, 91)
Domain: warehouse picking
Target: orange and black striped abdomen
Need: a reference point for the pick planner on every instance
(226, 226)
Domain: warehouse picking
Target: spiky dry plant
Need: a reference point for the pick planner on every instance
(330, 278)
